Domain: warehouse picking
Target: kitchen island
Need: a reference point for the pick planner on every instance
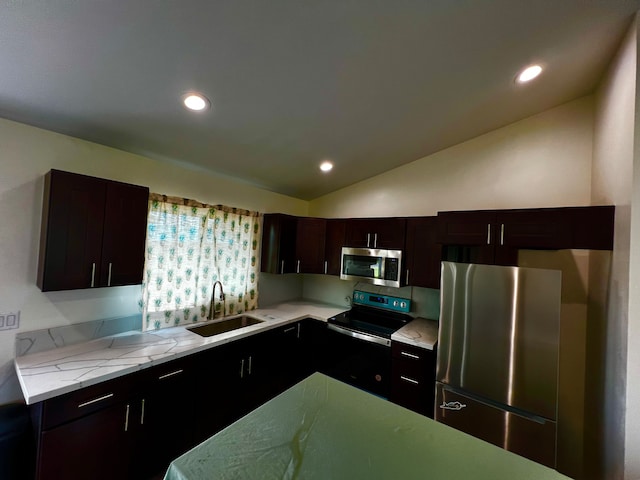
(324, 429)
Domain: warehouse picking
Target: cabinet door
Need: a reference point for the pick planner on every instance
(71, 236)
(466, 228)
(545, 228)
(334, 241)
(124, 235)
(467, 237)
(278, 243)
(218, 394)
(167, 420)
(386, 233)
(422, 253)
(310, 243)
(96, 446)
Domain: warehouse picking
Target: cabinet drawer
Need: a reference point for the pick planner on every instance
(82, 402)
(410, 352)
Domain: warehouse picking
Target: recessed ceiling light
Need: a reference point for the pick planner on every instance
(529, 73)
(196, 102)
(326, 166)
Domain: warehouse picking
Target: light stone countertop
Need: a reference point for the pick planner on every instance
(54, 372)
(420, 332)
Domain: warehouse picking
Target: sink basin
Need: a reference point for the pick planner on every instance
(223, 326)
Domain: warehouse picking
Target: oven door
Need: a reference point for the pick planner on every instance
(358, 361)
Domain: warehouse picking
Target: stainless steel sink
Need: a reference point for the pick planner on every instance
(223, 326)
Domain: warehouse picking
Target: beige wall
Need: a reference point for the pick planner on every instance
(544, 160)
(632, 418)
(541, 161)
(609, 317)
(27, 154)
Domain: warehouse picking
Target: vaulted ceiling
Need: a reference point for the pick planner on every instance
(369, 84)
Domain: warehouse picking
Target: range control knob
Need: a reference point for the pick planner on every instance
(403, 304)
(395, 303)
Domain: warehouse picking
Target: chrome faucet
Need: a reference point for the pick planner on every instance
(212, 312)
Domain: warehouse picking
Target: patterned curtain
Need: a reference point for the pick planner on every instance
(189, 247)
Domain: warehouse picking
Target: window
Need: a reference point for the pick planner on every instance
(189, 247)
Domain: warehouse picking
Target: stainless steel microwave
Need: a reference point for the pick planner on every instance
(371, 265)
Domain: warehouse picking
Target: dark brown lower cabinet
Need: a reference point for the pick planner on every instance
(413, 377)
(96, 446)
(133, 426)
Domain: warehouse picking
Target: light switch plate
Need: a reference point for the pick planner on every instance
(9, 321)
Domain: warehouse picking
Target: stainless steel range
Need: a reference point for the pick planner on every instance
(360, 340)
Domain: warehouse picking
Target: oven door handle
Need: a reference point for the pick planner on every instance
(360, 336)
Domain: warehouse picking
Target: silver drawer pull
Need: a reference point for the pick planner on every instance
(287, 330)
(126, 419)
(410, 380)
(410, 355)
(95, 400)
(170, 374)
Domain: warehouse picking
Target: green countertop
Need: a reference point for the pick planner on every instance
(324, 429)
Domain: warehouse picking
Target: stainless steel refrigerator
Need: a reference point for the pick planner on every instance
(497, 364)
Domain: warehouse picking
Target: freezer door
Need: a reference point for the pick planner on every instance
(499, 334)
(533, 438)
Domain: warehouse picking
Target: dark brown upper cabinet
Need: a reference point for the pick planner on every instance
(494, 236)
(93, 232)
(388, 233)
(422, 254)
(310, 245)
(278, 243)
(334, 241)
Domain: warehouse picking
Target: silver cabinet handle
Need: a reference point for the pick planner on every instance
(325, 267)
(287, 330)
(281, 267)
(410, 380)
(249, 369)
(93, 274)
(242, 368)
(298, 332)
(407, 279)
(166, 375)
(502, 234)
(368, 239)
(126, 419)
(142, 414)
(488, 234)
(298, 267)
(375, 240)
(95, 400)
(410, 355)
(109, 278)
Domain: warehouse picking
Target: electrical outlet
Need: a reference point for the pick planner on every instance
(9, 321)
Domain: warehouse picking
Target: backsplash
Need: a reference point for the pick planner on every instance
(56, 337)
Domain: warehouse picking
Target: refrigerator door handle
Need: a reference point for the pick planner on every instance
(452, 406)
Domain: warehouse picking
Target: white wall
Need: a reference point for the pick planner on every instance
(610, 316)
(541, 161)
(27, 154)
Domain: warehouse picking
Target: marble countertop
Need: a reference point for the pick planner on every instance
(420, 332)
(322, 428)
(54, 372)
